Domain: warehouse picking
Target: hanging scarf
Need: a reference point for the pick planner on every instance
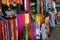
(46, 5)
(25, 32)
(20, 22)
(52, 20)
(28, 21)
(26, 5)
(1, 30)
(12, 29)
(9, 29)
(43, 31)
(34, 30)
(21, 19)
(15, 29)
(37, 6)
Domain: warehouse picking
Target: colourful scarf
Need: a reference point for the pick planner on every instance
(26, 5)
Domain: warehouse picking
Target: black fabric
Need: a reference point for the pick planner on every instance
(4, 8)
(20, 8)
(13, 7)
(46, 14)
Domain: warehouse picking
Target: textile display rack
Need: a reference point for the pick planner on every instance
(25, 19)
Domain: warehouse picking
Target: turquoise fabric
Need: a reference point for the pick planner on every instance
(52, 20)
(10, 11)
(43, 31)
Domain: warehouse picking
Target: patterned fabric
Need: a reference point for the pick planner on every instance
(25, 32)
(23, 19)
(1, 38)
(15, 29)
(6, 33)
(39, 20)
(10, 11)
(34, 30)
(30, 30)
(1, 30)
(12, 29)
(9, 29)
(28, 21)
